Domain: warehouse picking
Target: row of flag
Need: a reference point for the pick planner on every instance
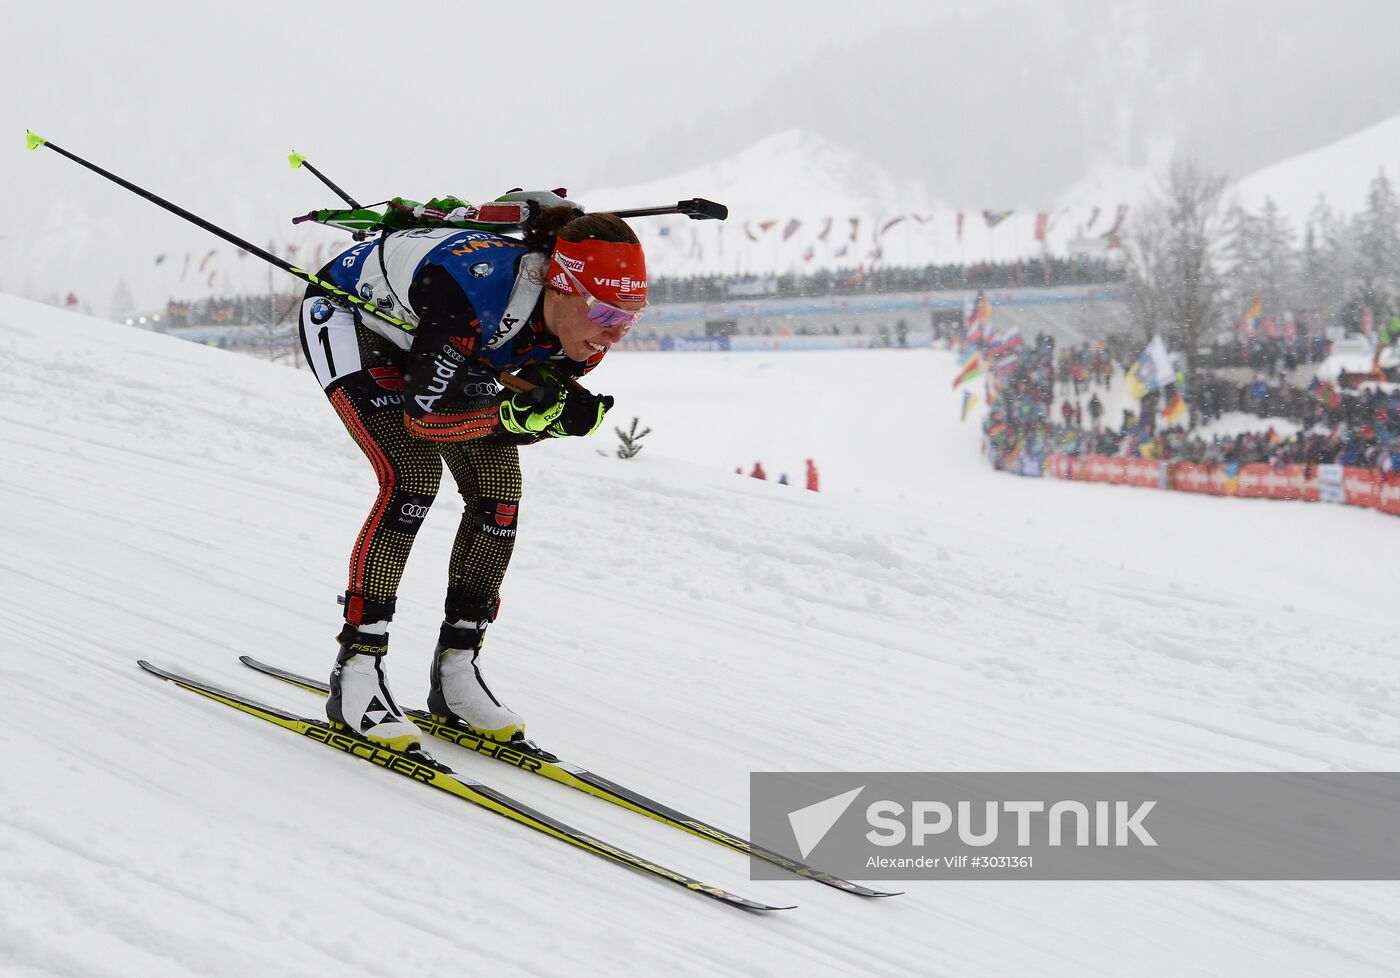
(987, 348)
(1152, 371)
(1254, 323)
(1044, 222)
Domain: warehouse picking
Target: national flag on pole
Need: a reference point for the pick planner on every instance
(973, 331)
(961, 216)
(807, 255)
(1137, 389)
(792, 225)
(1249, 325)
(1152, 370)
(855, 228)
(160, 259)
(971, 369)
(993, 218)
(1006, 344)
(826, 229)
(892, 222)
(1174, 408)
(1160, 363)
(969, 399)
(979, 318)
(205, 262)
(1042, 221)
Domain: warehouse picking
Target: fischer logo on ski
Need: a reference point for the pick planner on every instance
(530, 758)
(423, 768)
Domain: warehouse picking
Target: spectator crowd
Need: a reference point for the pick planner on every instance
(1357, 428)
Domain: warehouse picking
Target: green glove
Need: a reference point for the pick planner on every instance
(554, 411)
(531, 412)
(583, 413)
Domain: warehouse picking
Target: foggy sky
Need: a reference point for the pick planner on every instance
(1010, 102)
(994, 102)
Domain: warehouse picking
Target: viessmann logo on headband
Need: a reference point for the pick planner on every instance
(621, 284)
(613, 271)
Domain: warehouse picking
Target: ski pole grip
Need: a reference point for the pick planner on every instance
(519, 384)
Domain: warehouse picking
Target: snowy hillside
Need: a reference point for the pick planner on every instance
(1340, 172)
(798, 201)
(796, 176)
(669, 624)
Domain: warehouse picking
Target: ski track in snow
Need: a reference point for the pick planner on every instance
(167, 501)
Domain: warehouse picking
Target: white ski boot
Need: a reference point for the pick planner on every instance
(360, 700)
(458, 691)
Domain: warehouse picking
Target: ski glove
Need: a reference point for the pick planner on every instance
(554, 411)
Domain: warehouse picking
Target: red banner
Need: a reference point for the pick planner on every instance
(1363, 487)
(1189, 477)
(1119, 471)
(1389, 501)
(1277, 482)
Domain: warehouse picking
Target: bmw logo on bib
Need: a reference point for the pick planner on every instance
(321, 311)
(367, 292)
(481, 269)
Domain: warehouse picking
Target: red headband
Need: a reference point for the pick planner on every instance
(612, 271)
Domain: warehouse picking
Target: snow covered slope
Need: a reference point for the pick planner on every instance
(1340, 172)
(798, 202)
(668, 623)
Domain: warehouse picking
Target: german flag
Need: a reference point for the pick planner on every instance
(1174, 408)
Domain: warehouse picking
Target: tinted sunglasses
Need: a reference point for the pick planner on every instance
(599, 312)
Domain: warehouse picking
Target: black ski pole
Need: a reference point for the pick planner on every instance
(298, 161)
(34, 141)
(697, 208)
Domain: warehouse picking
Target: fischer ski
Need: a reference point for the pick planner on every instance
(420, 766)
(526, 756)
